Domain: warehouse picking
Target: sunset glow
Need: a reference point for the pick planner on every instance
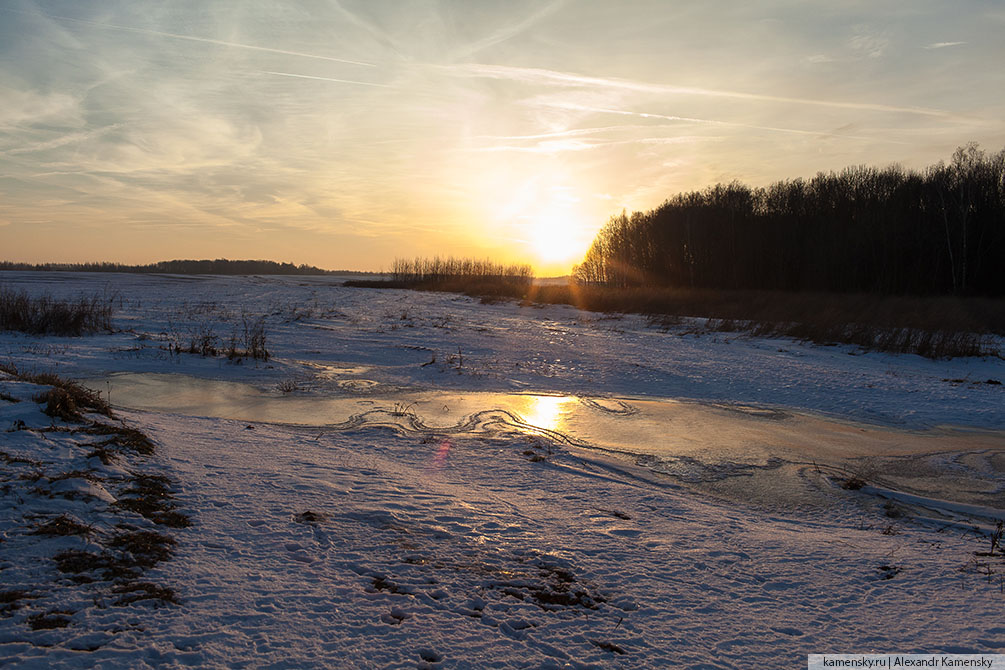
(347, 134)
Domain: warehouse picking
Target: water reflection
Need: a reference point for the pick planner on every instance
(545, 411)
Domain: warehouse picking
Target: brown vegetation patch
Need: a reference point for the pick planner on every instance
(150, 497)
(120, 436)
(63, 525)
(66, 399)
(49, 620)
(312, 518)
(934, 327)
(45, 315)
(136, 591)
(10, 599)
(78, 562)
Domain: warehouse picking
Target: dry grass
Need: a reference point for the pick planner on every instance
(45, 315)
(934, 327)
(62, 525)
(83, 563)
(136, 591)
(66, 399)
(119, 436)
(49, 620)
(10, 599)
(150, 497)
(146, 548)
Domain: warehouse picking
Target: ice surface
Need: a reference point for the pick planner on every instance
(697, 443)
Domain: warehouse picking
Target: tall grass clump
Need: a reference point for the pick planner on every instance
(45, 315)
(253, 337)
(933, 327)
(66, 399)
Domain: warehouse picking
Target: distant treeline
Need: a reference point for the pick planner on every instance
(220, 266)
(888, 231)
(432, 270)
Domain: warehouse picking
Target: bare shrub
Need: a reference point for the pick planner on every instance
(252, 335)
(254, 338)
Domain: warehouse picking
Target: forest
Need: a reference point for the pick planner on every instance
(891, 231)
(220, 266)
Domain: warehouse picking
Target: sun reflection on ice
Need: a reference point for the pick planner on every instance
(546, 411)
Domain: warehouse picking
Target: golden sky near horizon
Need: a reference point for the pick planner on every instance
(345, 133)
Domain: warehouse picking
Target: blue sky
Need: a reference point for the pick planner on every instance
(346, 133)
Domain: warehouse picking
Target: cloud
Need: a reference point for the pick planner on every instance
(943, 45)
(510, 31)
(56, 142)
(332, 79)
(713, 122)
(27, 107)
(868, 45)
(194, 38)
(381, 37)
(538, 76)
(555, 147)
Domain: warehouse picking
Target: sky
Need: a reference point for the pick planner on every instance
(348, 133)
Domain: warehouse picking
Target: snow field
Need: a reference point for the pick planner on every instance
(385, 546)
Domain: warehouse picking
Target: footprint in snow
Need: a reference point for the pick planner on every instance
(297, 553)
(785, 630)
(430, 656)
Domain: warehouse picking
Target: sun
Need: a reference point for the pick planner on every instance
(557, 240)
(539, 213)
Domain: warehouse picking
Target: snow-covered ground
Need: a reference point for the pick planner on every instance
(503, 541)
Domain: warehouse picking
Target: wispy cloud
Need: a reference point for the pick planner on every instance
(551, 77)
(943, 45)
(508, 32)
(561, 146)
(381, 37)
(332, 79)
(27, 107)
(713, 122)
(57, 142)
(867, 44)
(193, 38)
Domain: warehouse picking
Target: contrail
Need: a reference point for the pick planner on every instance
(339, 81)
(688, 119)
(542, 76)
(191, 38)
(511, 31)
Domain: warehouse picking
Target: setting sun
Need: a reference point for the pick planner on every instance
(558, 241)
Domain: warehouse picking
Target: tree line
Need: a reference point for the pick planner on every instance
(434, 270)
(864, 229)
(220, 266)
